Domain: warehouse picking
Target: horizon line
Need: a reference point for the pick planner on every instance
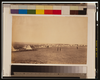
(46, 43)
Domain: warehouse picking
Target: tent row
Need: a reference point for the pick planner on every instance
(25, 48)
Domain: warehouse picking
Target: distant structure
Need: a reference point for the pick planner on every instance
(33, 47)
(25, 47)
(13, 49)
(68, 45)
(28, 47)
(47, 46)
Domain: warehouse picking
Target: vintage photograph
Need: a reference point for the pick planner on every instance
(49, 39)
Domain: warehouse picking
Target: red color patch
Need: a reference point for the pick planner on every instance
(48, 11)
(57, 12)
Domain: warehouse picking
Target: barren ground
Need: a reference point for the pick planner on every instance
(70, 55)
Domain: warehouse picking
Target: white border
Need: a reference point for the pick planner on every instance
(7, 41)
(90, 48)
(91, 43)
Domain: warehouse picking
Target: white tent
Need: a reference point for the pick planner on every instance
(28, 47)
(13, 49)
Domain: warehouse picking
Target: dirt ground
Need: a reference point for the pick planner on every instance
(70, 55)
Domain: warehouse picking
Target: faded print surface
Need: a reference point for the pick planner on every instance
(49, 39)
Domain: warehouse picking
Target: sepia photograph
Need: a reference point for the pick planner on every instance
(49, 39)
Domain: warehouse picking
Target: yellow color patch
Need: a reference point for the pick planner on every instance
(73, 7)
(48, 7)
(39, 11)
(39, 7)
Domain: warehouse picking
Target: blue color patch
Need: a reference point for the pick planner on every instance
(22, 11)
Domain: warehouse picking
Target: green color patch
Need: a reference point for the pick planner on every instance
(31, 11)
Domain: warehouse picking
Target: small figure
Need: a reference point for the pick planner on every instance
(57, 48)
(60, 49)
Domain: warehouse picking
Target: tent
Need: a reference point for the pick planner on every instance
(13, 49)
(25, 47)
(28, 47)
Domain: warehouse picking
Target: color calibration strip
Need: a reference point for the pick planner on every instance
(50, 69)
(48, 9)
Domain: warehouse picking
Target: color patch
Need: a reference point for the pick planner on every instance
(81, 12)
(57, 12)
(39, 7)
(14, 7)
(48, 7)
(39, 11)
(73, 12)
(14, 11)
(73, 7)
(31, 7)
(22, 6)
(81, 7)
(31, 11)
(57, 7)
(48, 11)
(22, 11)
(65, 10)
(76, 12)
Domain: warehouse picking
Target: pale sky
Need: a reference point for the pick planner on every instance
(49, 29)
